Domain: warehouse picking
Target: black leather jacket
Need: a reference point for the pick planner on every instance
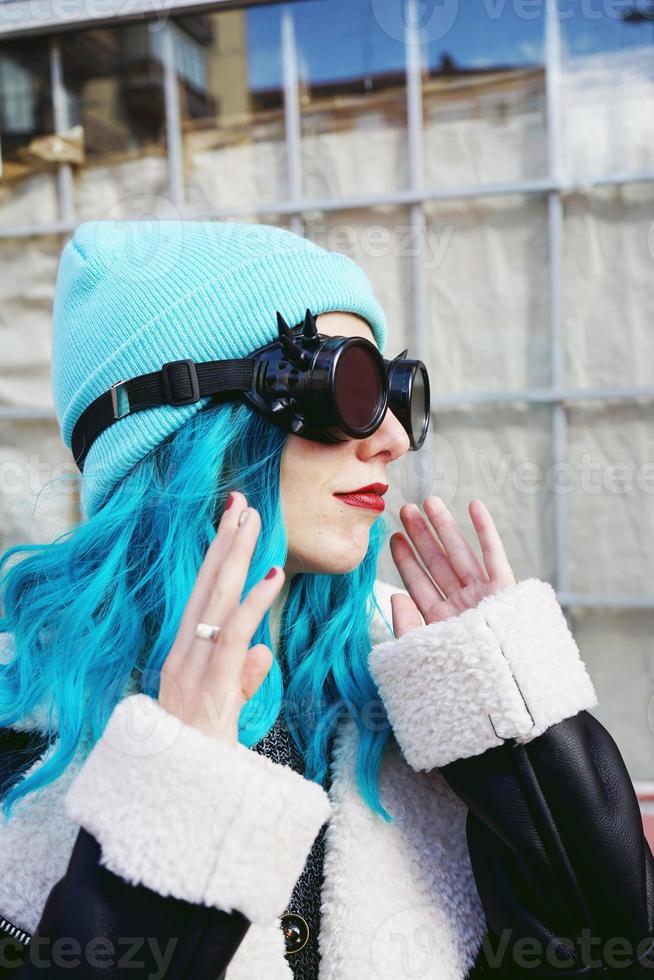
(564, 872)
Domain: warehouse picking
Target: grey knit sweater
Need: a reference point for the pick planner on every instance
(279, 746)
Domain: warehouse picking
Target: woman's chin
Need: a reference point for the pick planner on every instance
(339, 563)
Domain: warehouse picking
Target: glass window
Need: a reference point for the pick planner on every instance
(609, 489)
(114, 82)
(608, 286)
(30, 153)
(607, 88)
(352, 99)
(483, 95)
(486, 267)
(232, 107)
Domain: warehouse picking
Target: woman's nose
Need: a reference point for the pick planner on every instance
(390, 438)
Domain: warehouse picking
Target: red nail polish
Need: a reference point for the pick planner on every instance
(271, 573)
(230, 501)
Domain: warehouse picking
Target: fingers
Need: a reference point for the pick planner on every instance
(230, 576)
(430, 549)
(229, 656)
(207, 684)
(258, 663)
(406, 615)
(225, 594)
(492, 547)
(416, 580)
(205, 579)
(459, 551)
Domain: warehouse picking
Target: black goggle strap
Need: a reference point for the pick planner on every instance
(177, 383)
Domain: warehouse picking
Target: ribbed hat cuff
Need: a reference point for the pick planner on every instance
(292, 281)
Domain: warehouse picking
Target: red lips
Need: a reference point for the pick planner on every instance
(369, 497)
(379, 488)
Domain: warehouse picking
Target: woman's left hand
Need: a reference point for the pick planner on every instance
(450, 561)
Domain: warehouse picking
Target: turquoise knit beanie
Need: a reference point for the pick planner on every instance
(132, 295)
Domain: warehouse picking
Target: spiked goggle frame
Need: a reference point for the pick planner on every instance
(321, 387)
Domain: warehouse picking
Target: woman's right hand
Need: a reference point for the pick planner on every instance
(206, 683)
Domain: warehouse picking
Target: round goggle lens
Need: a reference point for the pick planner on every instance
(357, 386)
(419, 406)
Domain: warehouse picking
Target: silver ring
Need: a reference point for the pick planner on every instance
(205, 631)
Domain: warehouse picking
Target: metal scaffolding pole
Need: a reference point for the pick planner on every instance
(61, 124)
(173, 120)
(292, 126)
(555, 235)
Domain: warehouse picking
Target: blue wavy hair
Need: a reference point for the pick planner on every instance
(94, 613)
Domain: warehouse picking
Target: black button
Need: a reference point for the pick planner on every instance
(295, 930)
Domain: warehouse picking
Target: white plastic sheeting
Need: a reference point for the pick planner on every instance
(487, 274)
(608, 286)
(617, 646)
(33, 200)
(28, 268)
(486, 128)
(38, 485)
(116, 190)
(609, 491)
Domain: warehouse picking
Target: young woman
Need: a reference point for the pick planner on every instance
(217, 758)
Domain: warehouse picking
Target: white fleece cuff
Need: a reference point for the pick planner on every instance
(509, 668)
(193, 817)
